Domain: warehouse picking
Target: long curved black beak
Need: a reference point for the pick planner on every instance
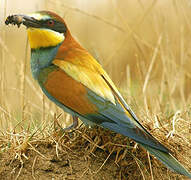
(22, 19)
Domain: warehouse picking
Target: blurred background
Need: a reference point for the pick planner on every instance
(144, 45)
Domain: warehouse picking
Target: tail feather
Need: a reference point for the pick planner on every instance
(167, 159)
(120, 119)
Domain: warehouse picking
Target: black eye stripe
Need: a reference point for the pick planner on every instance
(58, 26)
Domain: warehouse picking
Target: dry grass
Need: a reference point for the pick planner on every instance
(145, 48)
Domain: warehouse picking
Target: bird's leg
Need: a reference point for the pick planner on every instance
(73, 125)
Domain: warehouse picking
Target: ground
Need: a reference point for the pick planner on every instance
(81, 154)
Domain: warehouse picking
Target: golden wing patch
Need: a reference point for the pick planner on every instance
(90, 79)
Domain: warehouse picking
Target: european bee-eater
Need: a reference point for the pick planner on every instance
(76, 82)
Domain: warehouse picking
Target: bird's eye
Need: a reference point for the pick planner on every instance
(50, 23)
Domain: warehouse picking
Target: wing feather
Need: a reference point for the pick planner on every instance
(113, 112)
(88, 78)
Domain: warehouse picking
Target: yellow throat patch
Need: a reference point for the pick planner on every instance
(44, 37)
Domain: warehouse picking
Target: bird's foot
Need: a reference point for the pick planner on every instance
(73, 125)
(63, 130)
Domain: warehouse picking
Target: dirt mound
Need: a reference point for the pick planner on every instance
(81, 154)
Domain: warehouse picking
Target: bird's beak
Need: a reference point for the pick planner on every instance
(30, 22)
(23, 19)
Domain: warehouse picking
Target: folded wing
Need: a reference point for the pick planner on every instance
(92, 95)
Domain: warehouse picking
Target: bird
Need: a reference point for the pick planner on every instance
(74, 80)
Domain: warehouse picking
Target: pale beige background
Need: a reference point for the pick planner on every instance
(122, 35)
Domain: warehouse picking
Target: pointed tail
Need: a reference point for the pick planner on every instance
(167, 159)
